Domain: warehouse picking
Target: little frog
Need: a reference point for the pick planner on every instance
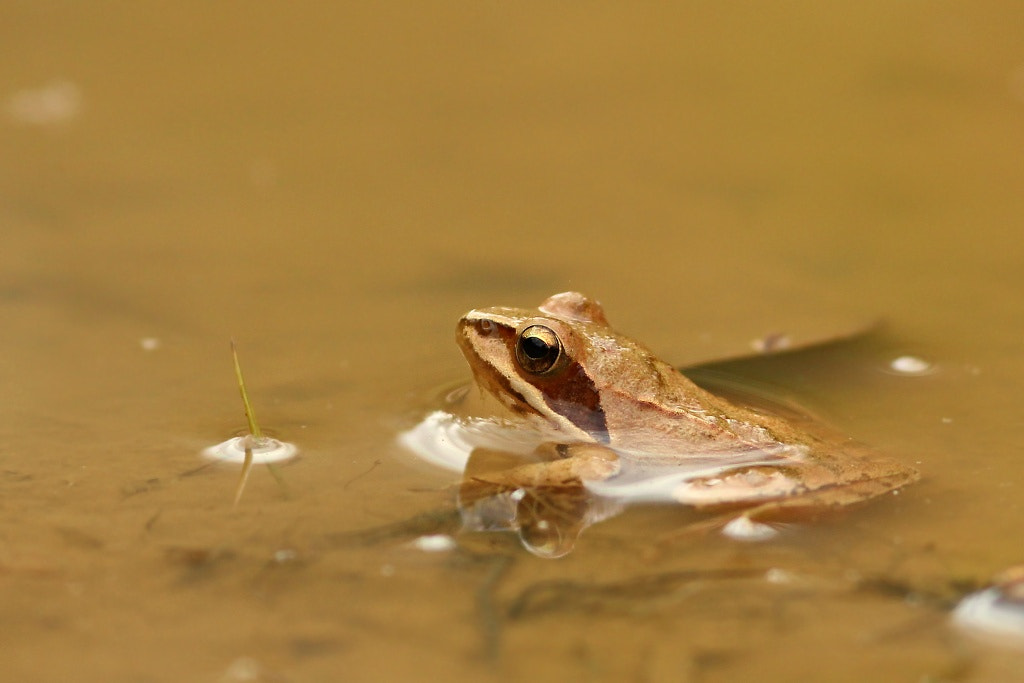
(595, 420)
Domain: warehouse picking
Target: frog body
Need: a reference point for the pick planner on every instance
(610, 420)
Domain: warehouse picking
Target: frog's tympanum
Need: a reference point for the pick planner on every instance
(592, 421)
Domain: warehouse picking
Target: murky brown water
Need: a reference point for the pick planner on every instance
(333, 188)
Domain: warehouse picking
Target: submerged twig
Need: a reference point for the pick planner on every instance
(246, 468)
(488, 610)
(441, 520)
(560, 595)
(279, 479)
(372, 467)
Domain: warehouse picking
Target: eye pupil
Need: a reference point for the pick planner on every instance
(538, 349)
(535, 348)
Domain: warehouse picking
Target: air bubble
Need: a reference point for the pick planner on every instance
(910, 365)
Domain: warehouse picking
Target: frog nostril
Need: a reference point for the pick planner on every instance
(484, 327)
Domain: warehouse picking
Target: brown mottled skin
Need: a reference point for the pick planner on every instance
(610, 390)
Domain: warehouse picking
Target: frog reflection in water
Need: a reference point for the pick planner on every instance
(596, 421)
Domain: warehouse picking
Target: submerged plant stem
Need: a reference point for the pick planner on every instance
(488, 612)
(285, 492)
(246, 468)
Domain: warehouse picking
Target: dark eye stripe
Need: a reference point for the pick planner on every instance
(573, 394)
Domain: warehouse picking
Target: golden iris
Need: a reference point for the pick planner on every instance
(538, 349)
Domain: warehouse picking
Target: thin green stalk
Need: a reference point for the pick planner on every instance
(254, 427)
(255, 438)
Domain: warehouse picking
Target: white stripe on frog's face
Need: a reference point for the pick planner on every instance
(488, 339)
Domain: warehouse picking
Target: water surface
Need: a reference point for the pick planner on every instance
(334, 187)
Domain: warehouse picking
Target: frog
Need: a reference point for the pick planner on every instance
(592, 420)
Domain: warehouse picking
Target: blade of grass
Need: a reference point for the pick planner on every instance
(254, 427)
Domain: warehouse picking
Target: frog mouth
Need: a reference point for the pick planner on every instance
(486, 339)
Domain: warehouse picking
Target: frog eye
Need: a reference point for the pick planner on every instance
(538, 349)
